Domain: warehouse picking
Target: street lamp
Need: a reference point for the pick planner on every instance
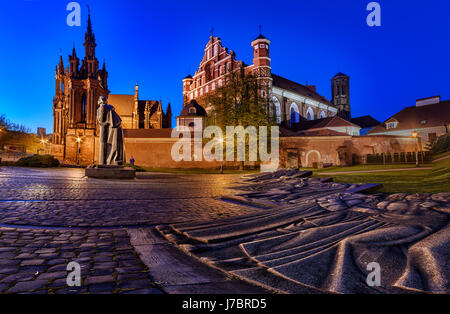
(43, 142)
(220, 140)
(78, 150)
(416, 136)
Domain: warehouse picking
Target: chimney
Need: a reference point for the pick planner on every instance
(428, 101)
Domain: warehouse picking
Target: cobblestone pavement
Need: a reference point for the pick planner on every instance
(49, 218)
(325, 237)
(64, 198)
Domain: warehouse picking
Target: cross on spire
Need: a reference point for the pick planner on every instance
(212, 31)
(260, 29)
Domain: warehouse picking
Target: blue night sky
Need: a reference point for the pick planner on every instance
(157, 43)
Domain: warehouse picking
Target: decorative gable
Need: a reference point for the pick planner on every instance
(391, 124)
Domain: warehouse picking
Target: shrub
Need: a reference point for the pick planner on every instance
(38, 161)
(442, 145)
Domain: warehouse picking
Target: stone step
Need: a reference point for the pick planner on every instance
(176, 272)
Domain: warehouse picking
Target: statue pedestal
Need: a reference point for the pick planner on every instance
(110, 172)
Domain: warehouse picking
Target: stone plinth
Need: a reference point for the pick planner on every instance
(110, 173)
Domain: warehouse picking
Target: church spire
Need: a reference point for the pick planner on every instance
(160, 106)
(89, 40)
(61, 65)
(74, 62)
(74, 53)
(89, 27)
(90, 62)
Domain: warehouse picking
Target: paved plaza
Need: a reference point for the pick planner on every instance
(49, 218)
(172, 233)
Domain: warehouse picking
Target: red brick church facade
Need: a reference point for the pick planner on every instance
(77, 90)
(293, 102)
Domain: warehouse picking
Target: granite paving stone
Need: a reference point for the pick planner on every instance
(51, 217)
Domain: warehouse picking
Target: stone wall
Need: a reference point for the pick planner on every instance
(331, 150)
(339, 150)
(294, 151)
(156, 153)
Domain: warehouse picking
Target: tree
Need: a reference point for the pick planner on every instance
(12, 133)
(241, 101)
(6, 125)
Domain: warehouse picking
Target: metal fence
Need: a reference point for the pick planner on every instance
(398, 158)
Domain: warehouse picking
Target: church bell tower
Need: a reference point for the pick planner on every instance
(78, 88)
(340, 88)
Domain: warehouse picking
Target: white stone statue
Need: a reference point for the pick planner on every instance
(111, 151)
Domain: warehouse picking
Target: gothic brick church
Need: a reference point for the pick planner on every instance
(293, 102)
(77, 90)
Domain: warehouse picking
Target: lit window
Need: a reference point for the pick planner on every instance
(207, 88)
(310, 114)
(391, 125)
(213, 86)
(220, 83)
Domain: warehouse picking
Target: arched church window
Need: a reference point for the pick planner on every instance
(323, 115)
(310, 114)
(295, 114)
(83, 108)
(277, 107)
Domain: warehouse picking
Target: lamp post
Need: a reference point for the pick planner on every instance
(43, 145)
(78, 150)
(221, 161)
(415, 135)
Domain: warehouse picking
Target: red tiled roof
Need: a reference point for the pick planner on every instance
(415, 117)
(297, 88)
(314, 132)
(335, 121)
(365, 121)
(324, 132)
(123, 104)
